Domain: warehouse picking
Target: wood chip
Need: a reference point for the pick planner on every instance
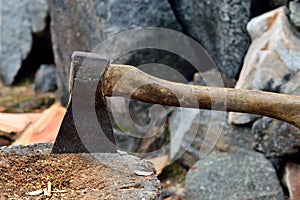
(46, 192)
(160, 163)
(143, 173)
(49, 188)
(37, 192)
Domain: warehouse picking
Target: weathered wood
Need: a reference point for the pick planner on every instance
(121, 80)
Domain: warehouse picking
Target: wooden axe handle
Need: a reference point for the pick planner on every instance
(122, 80)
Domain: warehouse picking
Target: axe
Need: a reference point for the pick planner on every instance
(86, 127)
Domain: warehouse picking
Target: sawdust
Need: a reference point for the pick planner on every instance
(70, 177)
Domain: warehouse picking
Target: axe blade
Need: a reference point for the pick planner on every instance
(86, 127)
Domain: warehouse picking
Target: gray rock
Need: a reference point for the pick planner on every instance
(37, 11)
(292, 86)
(275, 138)
(209, 78)
(125, 142)
(45, 79)
(294, 7)
(19, 19)
(135, 122)
(194, 134)
(220, 27)
(183, 127)
(229, 176)
(138, 14)
(236, 137)
(272, 59)
(77, 25)
(271, 64)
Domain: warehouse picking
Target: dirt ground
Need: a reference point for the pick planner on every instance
(22, 98)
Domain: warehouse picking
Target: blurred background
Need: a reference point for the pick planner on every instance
(254, 43)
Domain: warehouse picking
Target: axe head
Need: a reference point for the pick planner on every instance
(86, 127)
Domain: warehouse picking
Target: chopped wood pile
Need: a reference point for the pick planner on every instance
(29, 128)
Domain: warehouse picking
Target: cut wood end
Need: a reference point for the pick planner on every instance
(45, 129)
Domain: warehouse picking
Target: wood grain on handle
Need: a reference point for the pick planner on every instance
(128, 81)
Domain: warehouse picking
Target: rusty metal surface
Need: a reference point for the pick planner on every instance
(86, 127)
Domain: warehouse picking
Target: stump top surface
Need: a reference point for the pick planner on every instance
(25, 169)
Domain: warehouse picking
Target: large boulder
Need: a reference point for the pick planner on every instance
(77, 25)
(194, 134)
(237, 175)
(220, 27)
(19, 20)
(45, 79)
(272, 60)
(136, 123)
(275, 138)
(294, 7)
(271, 64)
